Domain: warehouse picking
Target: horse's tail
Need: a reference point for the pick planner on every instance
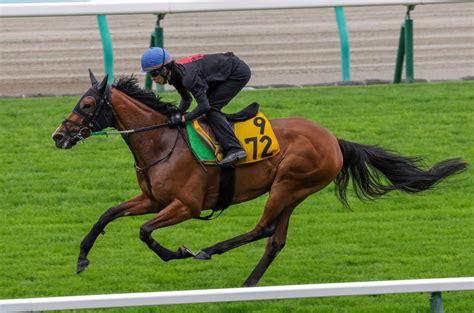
(366, 164)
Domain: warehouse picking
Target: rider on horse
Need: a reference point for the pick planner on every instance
(213, 80)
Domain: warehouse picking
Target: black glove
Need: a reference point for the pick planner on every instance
(175, 119)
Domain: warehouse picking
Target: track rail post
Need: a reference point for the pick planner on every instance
(400, 56)
(405, 50)
(436, 303)
(344, 43)
(108, 51)
(156, 40)
(410, 75)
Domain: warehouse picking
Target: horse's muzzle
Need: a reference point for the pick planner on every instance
(63, 141)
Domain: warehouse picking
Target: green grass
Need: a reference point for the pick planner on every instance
(50, 198)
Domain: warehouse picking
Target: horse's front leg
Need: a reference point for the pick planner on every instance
(138, 205)
(176, 212)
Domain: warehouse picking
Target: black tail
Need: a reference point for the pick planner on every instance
(366, 164)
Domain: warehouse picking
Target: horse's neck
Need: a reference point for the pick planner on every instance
(130, 113)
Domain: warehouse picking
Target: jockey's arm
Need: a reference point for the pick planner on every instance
(202, 107)
(185, 102)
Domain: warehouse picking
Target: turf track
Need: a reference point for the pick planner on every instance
(50, 199)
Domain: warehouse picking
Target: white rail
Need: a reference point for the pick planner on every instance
(107, 7)
(238, 294)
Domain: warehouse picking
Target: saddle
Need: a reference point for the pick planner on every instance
(256, 136)
(246, 113)
(251, 128)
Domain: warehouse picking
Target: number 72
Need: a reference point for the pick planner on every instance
(255, 146)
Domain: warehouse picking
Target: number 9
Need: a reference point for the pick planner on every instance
(260, 122)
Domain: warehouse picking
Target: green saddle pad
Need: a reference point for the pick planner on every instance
(202, 151)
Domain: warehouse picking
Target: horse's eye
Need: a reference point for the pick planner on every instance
(88, 103)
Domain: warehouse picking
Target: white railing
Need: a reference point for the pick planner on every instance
(239, 294)
(109, 7)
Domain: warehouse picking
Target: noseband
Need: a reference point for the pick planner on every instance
(83, 132)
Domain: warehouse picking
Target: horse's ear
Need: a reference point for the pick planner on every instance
(103, 84)
(93, 79)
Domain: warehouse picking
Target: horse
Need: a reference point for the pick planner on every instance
(176, 187)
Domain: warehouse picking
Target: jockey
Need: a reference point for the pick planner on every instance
(213, 80)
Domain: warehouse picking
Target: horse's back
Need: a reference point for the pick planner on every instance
(310, 158)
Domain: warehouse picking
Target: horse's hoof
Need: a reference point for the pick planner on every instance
(201, 255)
(186, 252)
(81, 265)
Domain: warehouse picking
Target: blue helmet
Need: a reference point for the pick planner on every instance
(154, 58)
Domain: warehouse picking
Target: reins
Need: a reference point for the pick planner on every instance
(147, 128)
(144, 170)
(129, 131)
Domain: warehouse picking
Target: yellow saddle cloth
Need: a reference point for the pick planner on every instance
(255, 135)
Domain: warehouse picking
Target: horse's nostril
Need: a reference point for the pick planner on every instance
(58, 137)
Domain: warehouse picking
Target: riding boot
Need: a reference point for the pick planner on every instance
(231, 146)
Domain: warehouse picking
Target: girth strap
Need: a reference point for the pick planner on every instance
(226, 192)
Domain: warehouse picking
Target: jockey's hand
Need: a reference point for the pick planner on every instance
(176, 119)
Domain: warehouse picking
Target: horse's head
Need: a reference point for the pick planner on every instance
(93, 112)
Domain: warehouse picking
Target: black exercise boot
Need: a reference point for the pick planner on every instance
(232, 157)
(226, 137)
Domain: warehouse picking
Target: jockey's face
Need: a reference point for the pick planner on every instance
(160, 75)
(159, 79)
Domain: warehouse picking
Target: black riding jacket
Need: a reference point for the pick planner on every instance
(193, 74)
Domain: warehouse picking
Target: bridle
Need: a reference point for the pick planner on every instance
(89, 121)
(83, 132)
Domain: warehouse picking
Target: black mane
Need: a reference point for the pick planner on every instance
(130, 86)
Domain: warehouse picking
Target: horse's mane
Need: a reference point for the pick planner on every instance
(130, 86)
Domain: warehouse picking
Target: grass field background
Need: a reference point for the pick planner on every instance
(50, 198)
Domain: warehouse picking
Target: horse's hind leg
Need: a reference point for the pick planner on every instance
(274, 245)
(257, 233)
(279, 201)
(135, 206)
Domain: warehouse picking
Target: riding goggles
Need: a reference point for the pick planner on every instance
(158, 72)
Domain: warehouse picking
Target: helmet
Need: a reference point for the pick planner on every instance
(153, 58)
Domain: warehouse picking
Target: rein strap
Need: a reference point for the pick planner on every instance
(144, 170)
(129, 131)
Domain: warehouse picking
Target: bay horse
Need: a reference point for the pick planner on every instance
(178, 188)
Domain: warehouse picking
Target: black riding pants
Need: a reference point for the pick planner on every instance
(219, 95)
